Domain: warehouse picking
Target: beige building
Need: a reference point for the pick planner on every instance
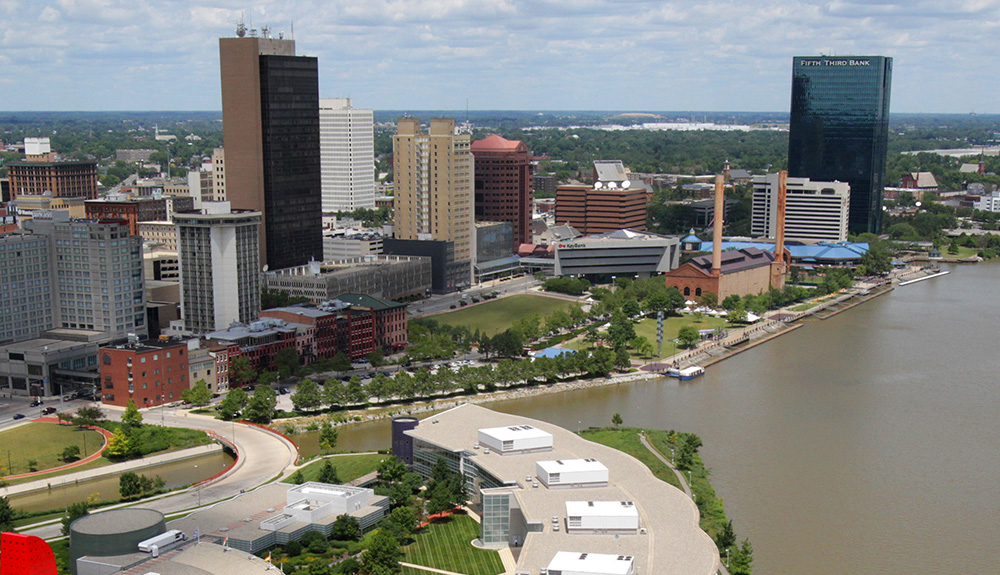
(219, 176)
(434, 185)
(161, 233)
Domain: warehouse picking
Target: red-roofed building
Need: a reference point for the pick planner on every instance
(503, 185)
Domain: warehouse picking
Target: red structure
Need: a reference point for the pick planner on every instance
(132, 210)
(504, 184)
(25, 555)
(151, 373)
(63, 179)
(390, 319)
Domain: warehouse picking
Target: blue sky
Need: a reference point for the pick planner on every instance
(500, 54)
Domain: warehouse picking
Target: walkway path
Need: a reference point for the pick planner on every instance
(429, 569)
(263, 456)
(680, 478)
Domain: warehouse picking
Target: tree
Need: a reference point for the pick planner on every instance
(878, 261)
(199, 394)
(382, 556)
(631, 308)
(129, 485)
(508, 343)
(297, 478)
(742, 559)
(88, 416)
(327, 436)
(266, 378)
(240, 371)
(376, 357)
(7, 516)
(623, 360)
(726, 537)
(616, 419)
(529, 327)
(73, 512)
(621, 331)
(307, 395)
(287, 361)
(70, 454)
(709, 299)
(688, 336)
(131, 416)
(346, 528)
(401, 522)
(731, 301)
(260, 406)
(340, 362)
(119, 446)
(391, 469)
(234, 402)
(328, 473)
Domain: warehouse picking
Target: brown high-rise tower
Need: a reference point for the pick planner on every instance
(270, 123)
(504, 184)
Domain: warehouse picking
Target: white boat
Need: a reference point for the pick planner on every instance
(688, 373)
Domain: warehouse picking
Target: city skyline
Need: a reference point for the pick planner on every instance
(114, 55)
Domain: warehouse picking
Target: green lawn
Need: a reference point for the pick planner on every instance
(671, 325)
(495, 316)
(349, 467)
(627, 440)
(447, 544)
(963, 252)
(43, 443)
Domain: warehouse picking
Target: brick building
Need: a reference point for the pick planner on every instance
(503, 185)
(150, 372)
(133, 210)
(742, 272)
(390, 319)
(595, 210)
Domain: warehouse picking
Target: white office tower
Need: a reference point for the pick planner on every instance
(219, 261)
(814, 211)
(347, 155)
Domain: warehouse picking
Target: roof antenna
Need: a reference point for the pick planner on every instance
(241, 27)
(292, 31)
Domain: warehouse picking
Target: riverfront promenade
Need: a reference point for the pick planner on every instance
(262, 457)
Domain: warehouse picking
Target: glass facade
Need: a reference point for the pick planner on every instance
(496, 519)
(839, 128)
(289, 93)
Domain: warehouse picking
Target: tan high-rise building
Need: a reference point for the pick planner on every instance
(270, 125)
(434, 185)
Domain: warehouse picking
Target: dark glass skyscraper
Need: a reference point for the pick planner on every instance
(840, 128)
(270, 123)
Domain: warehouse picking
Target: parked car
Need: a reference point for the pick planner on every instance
(48, 410)
(18, 416)
(282, 390)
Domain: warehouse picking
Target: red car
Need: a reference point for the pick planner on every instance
(48, 410)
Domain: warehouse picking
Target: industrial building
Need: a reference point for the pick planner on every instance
(387, 276)
(510, 464)
(621, 253)
(814, 211)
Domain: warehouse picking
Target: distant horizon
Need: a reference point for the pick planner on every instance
(488, 110)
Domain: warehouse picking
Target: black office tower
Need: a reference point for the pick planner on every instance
(270, 119)
(839, 128)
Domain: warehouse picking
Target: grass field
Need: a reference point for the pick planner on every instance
(43, 443)
(349, 467)
(671, 325)
(447, 544)
(627, 440)
(495, 316)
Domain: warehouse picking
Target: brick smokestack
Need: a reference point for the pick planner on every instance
(779, 236)
(720, 210)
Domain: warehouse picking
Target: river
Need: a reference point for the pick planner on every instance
(866, 443)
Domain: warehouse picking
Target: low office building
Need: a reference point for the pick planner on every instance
(391, 319)
(619, 253)
(388, 277)
(814, 211)
(161, 265)
(150, 372)
(45, 367)
(162, 234)
(339, 244)
(520, 511)
(447, 274)
(280, 513)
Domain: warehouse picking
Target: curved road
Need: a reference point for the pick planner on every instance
(262, 457)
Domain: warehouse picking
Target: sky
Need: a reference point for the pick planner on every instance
(630, 55)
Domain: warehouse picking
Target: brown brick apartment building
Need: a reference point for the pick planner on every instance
(150, 372)
(597, 210)
(503, 185)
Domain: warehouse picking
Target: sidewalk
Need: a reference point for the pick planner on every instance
(114, 469)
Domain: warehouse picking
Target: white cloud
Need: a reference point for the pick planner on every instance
(536, 54)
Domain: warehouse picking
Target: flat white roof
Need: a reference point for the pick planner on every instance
(591, 563)
(514, 432)
(601, 509)
(571, 465)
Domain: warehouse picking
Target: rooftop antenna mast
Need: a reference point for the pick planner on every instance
(241, 27)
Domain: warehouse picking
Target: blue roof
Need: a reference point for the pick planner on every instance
(691, 238)
(816, 252)
(554, 352)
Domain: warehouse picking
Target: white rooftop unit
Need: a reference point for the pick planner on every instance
(572, 473)
(515, 439)
(574, 563)
(600, 516)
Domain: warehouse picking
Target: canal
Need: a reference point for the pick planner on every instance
(866, 443)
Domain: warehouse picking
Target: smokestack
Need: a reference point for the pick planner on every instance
(720, 210)
(779, 236)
